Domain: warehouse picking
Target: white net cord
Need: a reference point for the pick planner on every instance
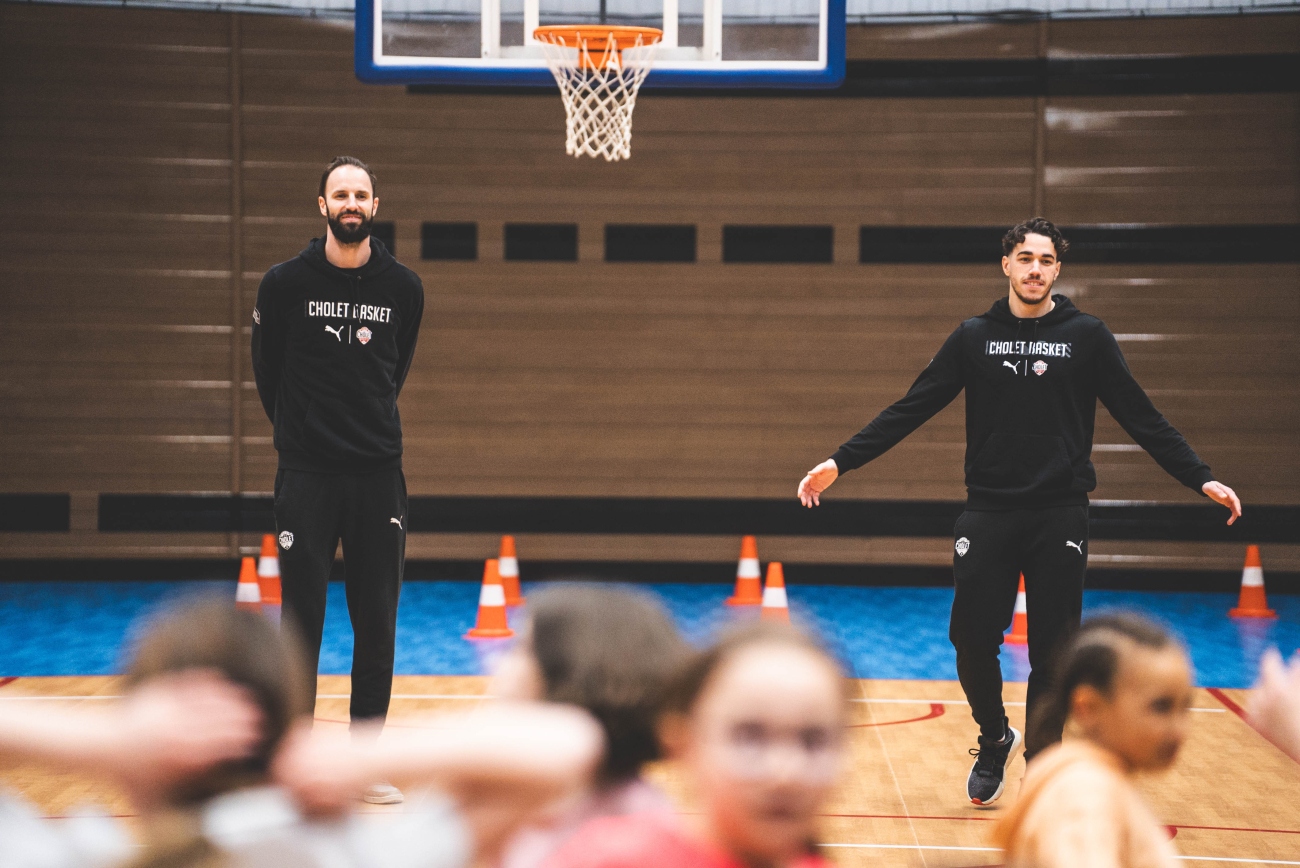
(599, 94)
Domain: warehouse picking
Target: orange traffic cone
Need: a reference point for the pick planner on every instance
(776, 606)
(268, 571)
(1019, 634)
(508, 569)
(749, 588)
(1252, 603)
(247, 594)
(491, 622)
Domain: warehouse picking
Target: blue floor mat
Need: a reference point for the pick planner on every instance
(82, 628)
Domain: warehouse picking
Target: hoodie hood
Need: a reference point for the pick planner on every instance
(1001, 312)
(380, 259)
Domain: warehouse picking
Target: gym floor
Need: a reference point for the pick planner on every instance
(902, 801)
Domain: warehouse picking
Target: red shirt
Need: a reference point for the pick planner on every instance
(642, 840)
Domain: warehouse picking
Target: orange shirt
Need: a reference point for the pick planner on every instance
(1077, 809)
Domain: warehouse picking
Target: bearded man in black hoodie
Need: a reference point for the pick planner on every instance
(334, 332)
(1033, 368)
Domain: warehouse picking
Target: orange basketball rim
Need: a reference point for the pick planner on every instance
(597, 44)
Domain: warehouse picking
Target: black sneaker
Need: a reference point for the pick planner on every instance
(988, 775)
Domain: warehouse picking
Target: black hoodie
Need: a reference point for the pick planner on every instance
(1031, 398)
(331, 349)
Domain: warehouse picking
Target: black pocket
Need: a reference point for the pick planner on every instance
(359, 428)
(1020, 464)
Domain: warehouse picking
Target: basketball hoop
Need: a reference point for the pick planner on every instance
(599, 68)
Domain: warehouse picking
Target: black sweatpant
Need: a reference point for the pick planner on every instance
(991, 550)
(367, 511)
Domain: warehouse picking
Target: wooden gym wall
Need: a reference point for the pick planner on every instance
(156, 163)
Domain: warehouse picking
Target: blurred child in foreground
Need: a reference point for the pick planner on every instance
(756, 726)
(210, 744)
(1124, 687)
(612, 653)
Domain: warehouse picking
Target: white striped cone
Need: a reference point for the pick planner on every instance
(749, 586)
(776, 605)
(491, 622)
(1252, 603)
(247, 593)
(1019, 634)
(268, 571)
(508, 569)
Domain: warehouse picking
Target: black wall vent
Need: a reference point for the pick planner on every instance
(449, 241)
(542, 242)
(778, 244)
(649, 243)
(35, 512)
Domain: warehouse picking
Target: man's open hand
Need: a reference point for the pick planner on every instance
(818, 480)
(1220, 493)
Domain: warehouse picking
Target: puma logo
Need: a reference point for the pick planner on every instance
(397, 521)
(1015, 367)
(338, 333)
(1075, 545)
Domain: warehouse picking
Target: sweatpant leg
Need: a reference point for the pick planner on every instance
(986, 577)
(308, 514)
(1054, 565)
(374, 555)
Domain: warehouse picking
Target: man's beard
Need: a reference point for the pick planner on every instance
(355, 235)
(1047, 294)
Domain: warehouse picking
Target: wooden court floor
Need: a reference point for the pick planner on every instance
(1232, 799)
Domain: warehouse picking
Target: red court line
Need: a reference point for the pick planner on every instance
(1218, 694)
(9, 679)
(936, 710)
(994, 820)
(1231, 706)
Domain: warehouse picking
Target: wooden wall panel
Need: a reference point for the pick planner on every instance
(116, 289)
(610, 379)
(1223, 158)
(1077, 38)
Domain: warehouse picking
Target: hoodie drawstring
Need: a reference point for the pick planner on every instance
(1033, 340)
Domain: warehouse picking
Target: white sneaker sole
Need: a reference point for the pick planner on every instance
(1017, 743)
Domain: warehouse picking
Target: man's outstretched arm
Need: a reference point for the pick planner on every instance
(1128, 403)
(936, 387)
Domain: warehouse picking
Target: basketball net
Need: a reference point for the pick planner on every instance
(599, 78)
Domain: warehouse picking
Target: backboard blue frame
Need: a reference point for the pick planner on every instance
(518, 71)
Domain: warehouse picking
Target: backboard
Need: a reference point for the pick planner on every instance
(706, 43)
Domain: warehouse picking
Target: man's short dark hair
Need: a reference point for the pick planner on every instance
(1033, 226)
(347, 161)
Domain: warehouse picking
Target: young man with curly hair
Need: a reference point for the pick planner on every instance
(1033, 368)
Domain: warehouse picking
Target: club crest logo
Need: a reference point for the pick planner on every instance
(286, 540)
(1040, 367)
(364, 335)
(963, 546)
